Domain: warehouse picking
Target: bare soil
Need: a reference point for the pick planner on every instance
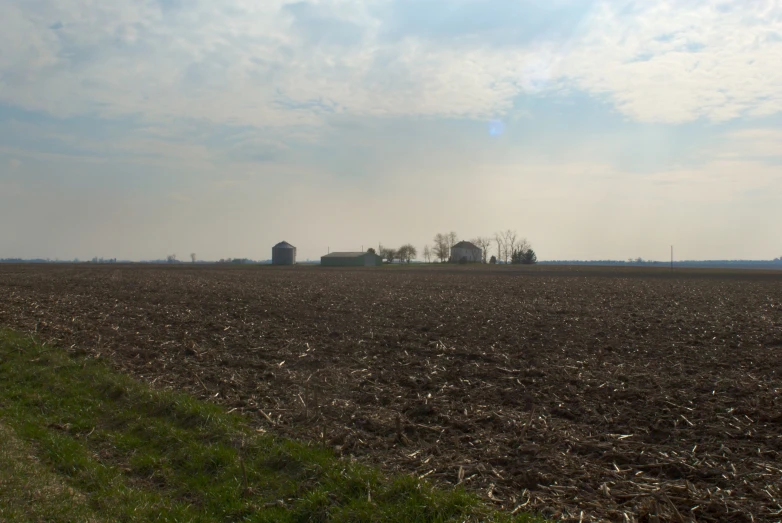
(587, 395)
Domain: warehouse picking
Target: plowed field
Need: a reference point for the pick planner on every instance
(584, 394)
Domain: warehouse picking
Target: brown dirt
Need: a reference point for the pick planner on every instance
(584, 394)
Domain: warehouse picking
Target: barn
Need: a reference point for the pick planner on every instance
(351, 259)
(465, 252)
(283, 254)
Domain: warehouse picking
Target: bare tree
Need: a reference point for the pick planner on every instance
(484, 244)
(412, 252)
(521, 248)
(193, 257)
(499, 239)
(171, 258)
(523, 245)
(441, 249)
(523, 253)
(406, 253)
(427, 254)
(510, 244)
(453, 239)
(388, 254)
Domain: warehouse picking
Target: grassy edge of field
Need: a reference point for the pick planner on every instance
(89, 444)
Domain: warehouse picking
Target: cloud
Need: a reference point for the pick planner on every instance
(762, 143)
(497, 23)
(180, 120)
(677, 62)
(289, 64)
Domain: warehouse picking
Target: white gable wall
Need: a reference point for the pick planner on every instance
(472, 255)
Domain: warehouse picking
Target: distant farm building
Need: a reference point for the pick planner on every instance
(466, 252)
(351, 259)
(283, 254)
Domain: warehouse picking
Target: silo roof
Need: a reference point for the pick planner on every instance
(284, 245)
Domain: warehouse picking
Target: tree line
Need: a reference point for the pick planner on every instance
(509, 248)
(404, 254)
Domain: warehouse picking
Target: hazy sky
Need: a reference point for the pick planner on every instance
(597, 129)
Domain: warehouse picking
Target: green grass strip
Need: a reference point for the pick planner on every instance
(108, 448)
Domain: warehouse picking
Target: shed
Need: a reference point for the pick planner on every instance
(351, 259)
(283, 254)
(466, 252)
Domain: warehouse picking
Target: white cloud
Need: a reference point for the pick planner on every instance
(276, 64)
(754, 143)
(674, 62)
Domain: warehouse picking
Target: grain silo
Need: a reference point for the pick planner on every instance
(283, 254)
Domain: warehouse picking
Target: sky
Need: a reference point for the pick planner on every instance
(595, 129)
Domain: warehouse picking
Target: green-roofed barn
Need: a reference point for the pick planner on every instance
(351, 259)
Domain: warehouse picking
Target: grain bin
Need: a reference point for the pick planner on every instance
(283, 254)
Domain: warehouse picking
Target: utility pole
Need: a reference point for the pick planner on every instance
(671, 258)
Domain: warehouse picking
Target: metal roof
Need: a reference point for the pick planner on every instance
(465, 245)
(284, 245)
(345, 254)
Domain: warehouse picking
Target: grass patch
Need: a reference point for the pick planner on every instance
(88, 444)
(30, 492)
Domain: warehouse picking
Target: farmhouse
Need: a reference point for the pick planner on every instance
(283, 254)
(466, 252)
(351, 259)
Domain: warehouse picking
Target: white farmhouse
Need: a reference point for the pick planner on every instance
(466, 252)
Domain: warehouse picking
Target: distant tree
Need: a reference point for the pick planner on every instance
(484, 244)
(388, 254)
(441, 249)
(499, 239)
(523, 245)
(509, 244)
(171, 258)
(427, 254)
(520, 250)
(493, 260)
(193, 257)
(406, 253)
(526, 256)
(371, 251)
(453, 239)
